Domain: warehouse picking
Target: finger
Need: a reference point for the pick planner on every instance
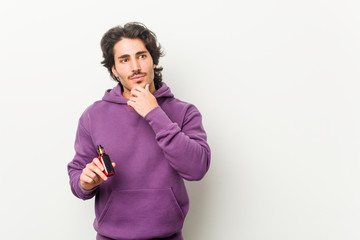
(131, 103)
(114, 164)
(97, 163)
(89, 173)
(97, 180)
(138, 89)
(134, 93)
(96, 170)
(147, 87)
(86, 179)
(133, 99)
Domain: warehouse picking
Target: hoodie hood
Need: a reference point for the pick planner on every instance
(115, 95)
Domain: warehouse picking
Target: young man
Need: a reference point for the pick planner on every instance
(153, 139)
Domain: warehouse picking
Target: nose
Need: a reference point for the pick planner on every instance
(135, 66)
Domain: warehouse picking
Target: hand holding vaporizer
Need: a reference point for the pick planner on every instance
(97, 171)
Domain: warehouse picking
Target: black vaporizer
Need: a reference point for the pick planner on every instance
(105, 161)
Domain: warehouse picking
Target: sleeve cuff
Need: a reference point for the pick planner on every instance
(87, 192)
(158, 119)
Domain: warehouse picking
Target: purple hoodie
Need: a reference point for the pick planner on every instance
(146, 198)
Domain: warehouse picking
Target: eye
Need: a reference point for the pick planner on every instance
(142, 56)
(124, 60)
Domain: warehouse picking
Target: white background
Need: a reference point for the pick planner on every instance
(277, 83)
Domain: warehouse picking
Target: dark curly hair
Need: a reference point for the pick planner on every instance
(131, 30)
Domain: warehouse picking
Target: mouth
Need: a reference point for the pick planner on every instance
(138, 78)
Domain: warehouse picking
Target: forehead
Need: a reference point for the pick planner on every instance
(128, 46)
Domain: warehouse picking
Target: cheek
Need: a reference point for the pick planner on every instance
(151, 73)
(150, 68)
(122, 72)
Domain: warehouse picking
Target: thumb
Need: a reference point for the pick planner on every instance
(147, 87)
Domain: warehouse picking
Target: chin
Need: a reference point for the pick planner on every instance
(142, 84)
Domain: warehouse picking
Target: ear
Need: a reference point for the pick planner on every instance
(154, 66)
(114, 71)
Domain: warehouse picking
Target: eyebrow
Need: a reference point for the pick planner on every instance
(127, 55)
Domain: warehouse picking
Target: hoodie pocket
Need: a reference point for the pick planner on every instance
(141, 213)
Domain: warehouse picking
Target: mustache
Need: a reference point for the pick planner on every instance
(137, 73)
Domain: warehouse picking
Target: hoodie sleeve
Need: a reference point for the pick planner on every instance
(185, 147)
(84, 153)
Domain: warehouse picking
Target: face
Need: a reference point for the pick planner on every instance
(133, 65)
